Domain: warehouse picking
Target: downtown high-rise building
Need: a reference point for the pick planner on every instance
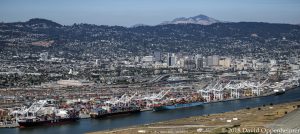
(213, 60)
(189, 63)
(157, 56)
(171, 59)
(199, 61)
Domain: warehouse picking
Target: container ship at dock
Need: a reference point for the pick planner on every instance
(45, 113)
(116, 106)
(177, 106)
(175, 102)
(107, 111)
(34, 121)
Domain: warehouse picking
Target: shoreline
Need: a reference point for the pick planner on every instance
(249, 118)
(205, 103)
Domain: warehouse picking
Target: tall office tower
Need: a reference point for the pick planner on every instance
(199, 61)
(97, 62)
(213, 60)
(209, 61)
(171, 59)
(189, 63)
(157, 56)
(205, 64)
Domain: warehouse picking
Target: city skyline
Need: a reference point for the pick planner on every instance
(131, 12)
(212, 66)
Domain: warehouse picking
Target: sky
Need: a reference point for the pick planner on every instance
(150, 12)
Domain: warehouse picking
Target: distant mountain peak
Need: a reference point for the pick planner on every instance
(50, 23)
(139, 25)
(199, 19)
(201, 16)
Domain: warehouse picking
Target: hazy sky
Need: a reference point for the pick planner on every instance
(151, 12)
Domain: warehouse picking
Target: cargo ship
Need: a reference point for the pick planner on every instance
(177, 106)
(46, 113)
(107, 111)
(36, 121)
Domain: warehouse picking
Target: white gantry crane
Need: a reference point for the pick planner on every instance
(35, 107)
(205, 93)
(256, 87)
(155, 98)
(218, 92)
(235, 89)
(216, 89)
(123, 100)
